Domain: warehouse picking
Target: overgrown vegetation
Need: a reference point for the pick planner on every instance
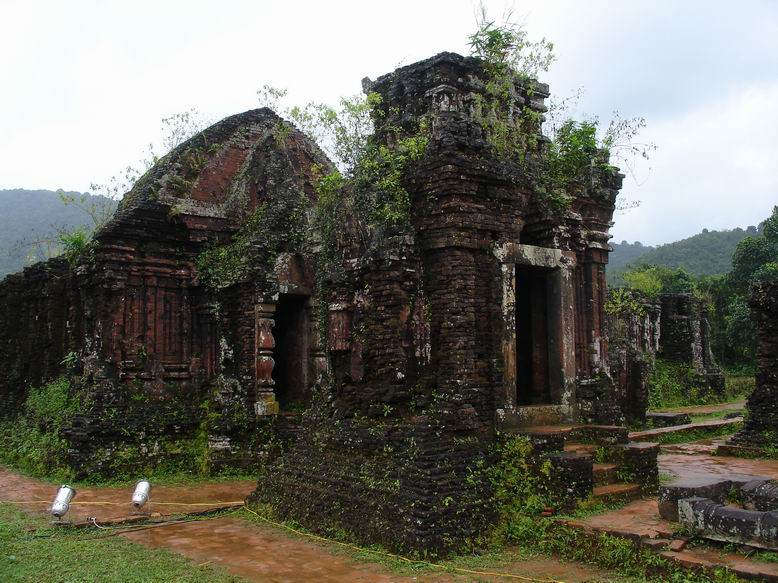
(624, 302)
(563, 165)
(551, 537)
(673, 384)
(32, 441)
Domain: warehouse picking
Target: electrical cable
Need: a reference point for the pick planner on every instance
(400, 557)
(116, 530)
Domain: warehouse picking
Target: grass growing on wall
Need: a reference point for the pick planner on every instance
(33, 442)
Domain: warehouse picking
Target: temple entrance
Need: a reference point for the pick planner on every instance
(290, 332)
(533, 386)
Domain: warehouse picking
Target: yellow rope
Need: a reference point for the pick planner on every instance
(399, 557)
(294, 530)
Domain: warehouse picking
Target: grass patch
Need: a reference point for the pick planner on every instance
(675, 385)
(32, 551)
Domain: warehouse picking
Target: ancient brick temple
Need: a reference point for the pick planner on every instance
(406, 354)
(485, 314)
(174, 369)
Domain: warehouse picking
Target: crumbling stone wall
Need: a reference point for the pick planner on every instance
(633, 336)
(685, 338)
(760, 427)
(37, 307)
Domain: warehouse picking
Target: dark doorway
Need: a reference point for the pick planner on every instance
(290, 372)
(532, 380)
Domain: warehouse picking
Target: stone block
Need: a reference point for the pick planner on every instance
(729, 524)
(668, 419)
(714, 489)
(760, 494)
(571, 477)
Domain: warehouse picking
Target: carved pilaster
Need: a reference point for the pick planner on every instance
(318, 356)
(265, 403)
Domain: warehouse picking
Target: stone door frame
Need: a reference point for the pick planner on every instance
(561, 326)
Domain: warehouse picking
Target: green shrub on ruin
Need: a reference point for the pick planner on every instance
(563, 164)
(623, 303)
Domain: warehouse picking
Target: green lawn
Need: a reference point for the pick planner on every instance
(32, 551)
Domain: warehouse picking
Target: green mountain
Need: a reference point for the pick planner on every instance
(30, 221)
(707, 253)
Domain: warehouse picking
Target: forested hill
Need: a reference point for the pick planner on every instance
(27, 216)
(707, 253)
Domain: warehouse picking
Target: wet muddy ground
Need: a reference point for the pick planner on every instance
(687, 461)
(259, 552)
(110, 503)
(268, 554)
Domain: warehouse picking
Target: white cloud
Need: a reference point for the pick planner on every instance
(715, 169)
(85, 83)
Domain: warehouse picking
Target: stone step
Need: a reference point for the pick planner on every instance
(714, 425)
(587, 448)
(616, 492)
(604, 474)
(668, 419)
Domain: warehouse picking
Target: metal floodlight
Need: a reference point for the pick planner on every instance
(61, 504)
(141, 494)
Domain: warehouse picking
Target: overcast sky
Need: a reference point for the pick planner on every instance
(84, 85)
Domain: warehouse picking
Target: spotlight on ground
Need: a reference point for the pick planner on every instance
(141, 494)
(61, 504)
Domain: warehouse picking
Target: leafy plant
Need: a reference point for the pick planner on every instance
(76, 245)
(623, 302)
(564, 164)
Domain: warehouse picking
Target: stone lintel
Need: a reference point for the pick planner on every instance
(533, 256)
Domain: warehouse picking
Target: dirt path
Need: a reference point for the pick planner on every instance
(263, 553)
(16, 487)
(714, 424)
(706, 409)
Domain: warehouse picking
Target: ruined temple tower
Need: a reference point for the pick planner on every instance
(211, 325)
(484, 313)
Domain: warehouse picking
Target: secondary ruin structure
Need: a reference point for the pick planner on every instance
(218, 315)
(760, 428)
